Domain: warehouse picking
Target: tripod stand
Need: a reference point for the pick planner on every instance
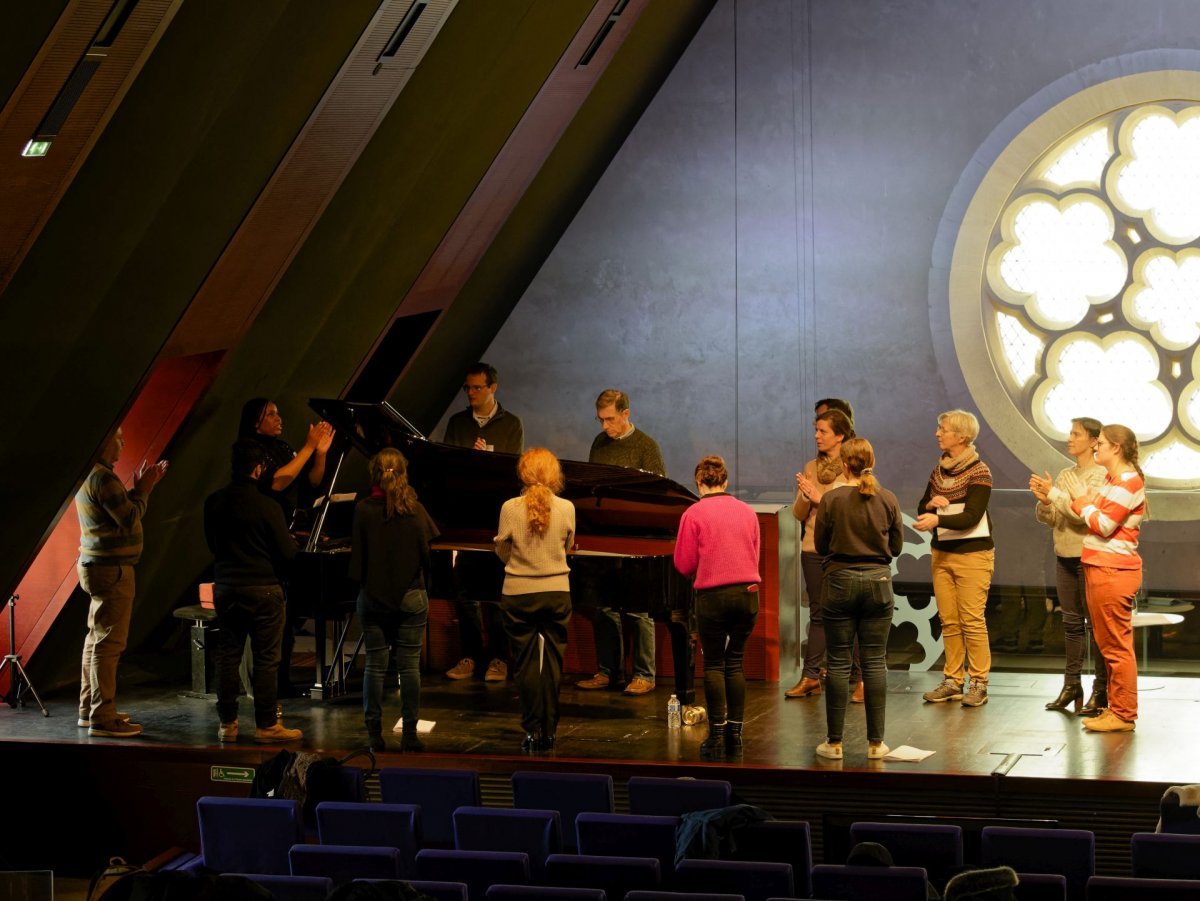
(18, 679)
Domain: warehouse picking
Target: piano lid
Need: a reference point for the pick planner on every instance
(463, 489)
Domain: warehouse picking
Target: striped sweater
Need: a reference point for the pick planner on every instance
(1114, 519)
(110, 519)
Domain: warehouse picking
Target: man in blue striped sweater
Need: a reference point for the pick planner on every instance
(110, 545)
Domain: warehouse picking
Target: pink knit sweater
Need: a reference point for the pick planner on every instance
(718, 542)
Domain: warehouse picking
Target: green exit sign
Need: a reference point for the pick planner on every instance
(231, 773)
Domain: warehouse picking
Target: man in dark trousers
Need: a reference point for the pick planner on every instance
(621, 444)
(252, 549)
(484, 426)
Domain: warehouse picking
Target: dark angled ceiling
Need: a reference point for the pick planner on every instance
(172, 176)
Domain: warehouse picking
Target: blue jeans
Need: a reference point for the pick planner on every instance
(400, 633)
(858, 604)
(610, 644)
(725, 618)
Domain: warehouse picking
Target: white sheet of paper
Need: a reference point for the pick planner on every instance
(424, 727)
(908, 754)
(980, 529)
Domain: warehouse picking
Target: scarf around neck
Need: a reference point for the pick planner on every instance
(954, 465)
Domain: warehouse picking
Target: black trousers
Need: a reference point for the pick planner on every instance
(257, 612)
(725, 617)
(528, 617)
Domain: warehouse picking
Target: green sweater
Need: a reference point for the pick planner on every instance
(110, 519)
(635, 451)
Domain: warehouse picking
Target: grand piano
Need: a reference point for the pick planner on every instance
(625, 526)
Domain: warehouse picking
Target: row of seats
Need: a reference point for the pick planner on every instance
(836, 884)
(622, 852)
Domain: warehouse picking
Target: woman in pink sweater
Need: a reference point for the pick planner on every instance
(1112, 568)
(717, 548)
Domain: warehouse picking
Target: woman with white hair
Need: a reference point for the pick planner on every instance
(954, 508)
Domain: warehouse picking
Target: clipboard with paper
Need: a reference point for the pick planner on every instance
(979, 530)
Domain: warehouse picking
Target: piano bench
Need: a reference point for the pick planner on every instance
(202, 620)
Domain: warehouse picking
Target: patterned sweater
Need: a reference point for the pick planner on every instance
(1114, 522)
(969, 483)
(110, 519)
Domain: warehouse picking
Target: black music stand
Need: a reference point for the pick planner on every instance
(18, 679)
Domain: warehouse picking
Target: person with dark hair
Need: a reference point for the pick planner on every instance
(859, 531)
(390, 562)
(110, 546)
(954, 508)
(834, 403)
(1112, 568)
(290, 478)
(1054, 509)
(252, 552)
(820, 474)
(535, 532)
(717, 548)
(260, 421)
(621, 444)
(485, 426)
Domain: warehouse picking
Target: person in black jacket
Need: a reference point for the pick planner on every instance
(253, 549)
(390, 560)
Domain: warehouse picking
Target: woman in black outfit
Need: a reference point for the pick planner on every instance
(390, 560)
(261, 422)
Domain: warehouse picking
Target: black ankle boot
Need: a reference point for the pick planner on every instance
(1095, 703)
(375, 741)
(733, 739)
(1070, 694)
(713, 747)
(409, 741)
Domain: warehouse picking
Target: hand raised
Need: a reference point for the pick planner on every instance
(326, 434)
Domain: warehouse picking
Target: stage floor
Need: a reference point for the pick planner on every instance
(1012, 735)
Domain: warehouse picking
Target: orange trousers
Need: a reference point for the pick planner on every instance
(1110, 598)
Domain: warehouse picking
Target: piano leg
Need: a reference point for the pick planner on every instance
(683, 652)
(319, 691)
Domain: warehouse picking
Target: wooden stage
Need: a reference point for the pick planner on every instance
(92, 797)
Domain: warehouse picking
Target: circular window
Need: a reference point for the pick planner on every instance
(1077, 271)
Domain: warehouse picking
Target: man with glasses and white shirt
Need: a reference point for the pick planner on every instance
(485, 426)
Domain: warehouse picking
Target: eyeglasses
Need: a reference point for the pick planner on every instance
(467, 389)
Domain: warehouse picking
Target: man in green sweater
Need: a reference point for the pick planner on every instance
(620, 444)
(110, 545)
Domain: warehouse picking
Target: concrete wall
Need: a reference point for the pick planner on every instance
(767, 236)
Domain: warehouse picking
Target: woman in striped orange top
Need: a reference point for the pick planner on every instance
(1112, 568)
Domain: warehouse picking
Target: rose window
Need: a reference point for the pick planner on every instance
(1092, 287)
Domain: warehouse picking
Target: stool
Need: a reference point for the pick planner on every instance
(201, 618)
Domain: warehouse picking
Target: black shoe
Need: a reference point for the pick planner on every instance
(1070, 694)
(375, 741)
(532, 744)
(1095, 703)
(713, 747)
(409, 741)
(733, 739)
(546, 741)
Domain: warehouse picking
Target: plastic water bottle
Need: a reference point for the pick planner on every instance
(674, 716)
